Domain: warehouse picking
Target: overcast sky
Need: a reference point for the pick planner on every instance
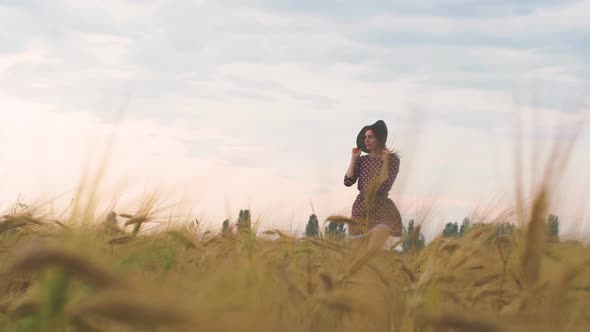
(234, 104)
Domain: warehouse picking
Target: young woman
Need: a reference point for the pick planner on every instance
(376, 171)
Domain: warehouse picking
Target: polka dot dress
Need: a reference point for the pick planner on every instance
(383, 210)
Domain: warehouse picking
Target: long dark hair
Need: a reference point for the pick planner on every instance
(382, 146)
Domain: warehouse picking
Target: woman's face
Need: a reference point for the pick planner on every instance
(371, 141)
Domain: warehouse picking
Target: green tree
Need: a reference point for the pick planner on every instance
(244, 221)
(407, 232)
(312, 229)
(412, 241)
(505, 228)
(451, 230)
(335, 231)
(421, 241)
(553, 227)
(465, 226)
(225, 227)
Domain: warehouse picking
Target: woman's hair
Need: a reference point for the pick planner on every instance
(381, 143)
(378, 137)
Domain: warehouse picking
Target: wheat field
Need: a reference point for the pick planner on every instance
(109, 275)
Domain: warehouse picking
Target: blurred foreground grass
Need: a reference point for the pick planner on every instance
(99, 276)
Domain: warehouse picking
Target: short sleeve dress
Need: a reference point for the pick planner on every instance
(383, 210)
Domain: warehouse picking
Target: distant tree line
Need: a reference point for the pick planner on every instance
(332, 230)
(244, 223)
(412, 235)
(339, 231)
(453, 230)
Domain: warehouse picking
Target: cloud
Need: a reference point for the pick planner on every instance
(461, 9)
(174, 50)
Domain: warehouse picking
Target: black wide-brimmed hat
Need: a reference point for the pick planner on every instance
(379, 130)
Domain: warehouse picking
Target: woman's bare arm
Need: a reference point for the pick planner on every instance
(350, 171)
(350, 177)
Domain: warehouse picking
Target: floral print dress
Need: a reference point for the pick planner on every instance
(383, 210)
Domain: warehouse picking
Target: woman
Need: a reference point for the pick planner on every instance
(376, 171)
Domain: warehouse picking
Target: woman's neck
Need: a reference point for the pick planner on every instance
(375, 154)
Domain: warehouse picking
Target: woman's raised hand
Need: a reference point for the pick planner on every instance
(356, 152)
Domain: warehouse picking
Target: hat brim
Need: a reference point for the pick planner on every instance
(360, 139)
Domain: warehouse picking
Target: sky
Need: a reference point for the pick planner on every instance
(226, 105)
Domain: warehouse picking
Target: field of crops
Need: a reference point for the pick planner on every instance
(110, 275)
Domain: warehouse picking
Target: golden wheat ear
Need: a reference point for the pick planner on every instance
(38, 257)
(131, 310)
